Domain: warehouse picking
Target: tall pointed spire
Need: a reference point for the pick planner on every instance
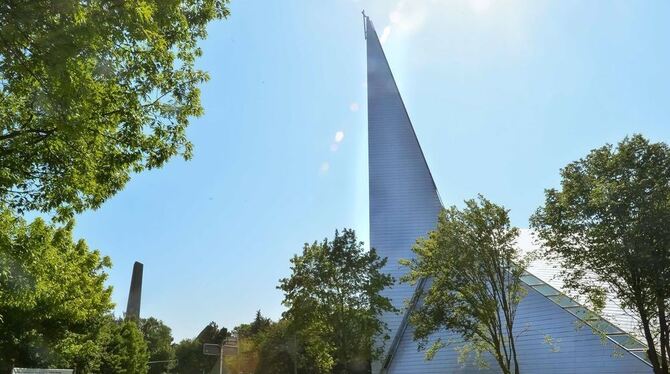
(404, 203)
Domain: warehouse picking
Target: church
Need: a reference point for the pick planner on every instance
(404, 205)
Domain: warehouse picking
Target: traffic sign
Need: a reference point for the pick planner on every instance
(211, 349)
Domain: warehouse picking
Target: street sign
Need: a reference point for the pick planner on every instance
(230, 346)
(229, 350)
(211, 349)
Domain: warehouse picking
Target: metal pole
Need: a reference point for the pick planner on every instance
(239, 357)
(221, 357)
(295, 354)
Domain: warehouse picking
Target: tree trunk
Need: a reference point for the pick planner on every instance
(513, 346)
(651, 351)
(663, 325)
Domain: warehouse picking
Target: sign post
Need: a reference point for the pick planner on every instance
(221, 360)
(228, 346)
(214, 350)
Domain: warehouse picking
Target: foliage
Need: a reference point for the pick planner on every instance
(473, 269)
(126, 352)
(92, 91)
(270, 348)
(158, 337)
(213, 334)
(608, 227)
(249, 337)
(279, 351)
(246, 358)
(52, 295)
(190, 359)
(252, 329)
(264, 347)
(333, 300)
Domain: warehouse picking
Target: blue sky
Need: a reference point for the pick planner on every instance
(502, 94)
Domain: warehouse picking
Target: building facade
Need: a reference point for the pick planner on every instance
(556, 334)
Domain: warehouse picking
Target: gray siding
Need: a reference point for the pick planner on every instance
(549, 272)
(403, 199)
(576, 348)
(404, 205)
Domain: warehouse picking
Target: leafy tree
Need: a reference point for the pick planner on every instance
(92, 91)
(279, 351)
(258, 325)
(333, 300)
(158, 337)
(249, 337)
(246, 358)
(81, 351)
(608, 227)
(474, 270)
(270, 348)
(212, 334)
(190, 359)
(126, 352)
(53, 297)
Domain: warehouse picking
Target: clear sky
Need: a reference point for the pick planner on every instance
(502, 94)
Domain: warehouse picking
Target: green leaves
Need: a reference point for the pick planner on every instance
(52, 293)
(474, 273)
(93, 91)
(608, 227)
(188, 352)
(333, 301)
(158, 337)
(277, 348)
(90, 92)
(55, 305)
(126, 351)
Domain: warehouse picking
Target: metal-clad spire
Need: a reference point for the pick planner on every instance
(404, 203)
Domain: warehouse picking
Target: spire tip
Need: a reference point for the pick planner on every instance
(365, 24)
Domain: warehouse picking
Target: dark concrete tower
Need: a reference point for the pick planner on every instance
(135, 293)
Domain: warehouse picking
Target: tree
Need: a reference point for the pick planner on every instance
(279, 351)
(53, 297)
(190, 359)
(608, 228)
(333, 300)
(212, 334)
(249, 337)
(268, 347)
(158, 337)
(474, 270)
(126, 351)
(92, 91)
(258, 325)
(245, 360)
